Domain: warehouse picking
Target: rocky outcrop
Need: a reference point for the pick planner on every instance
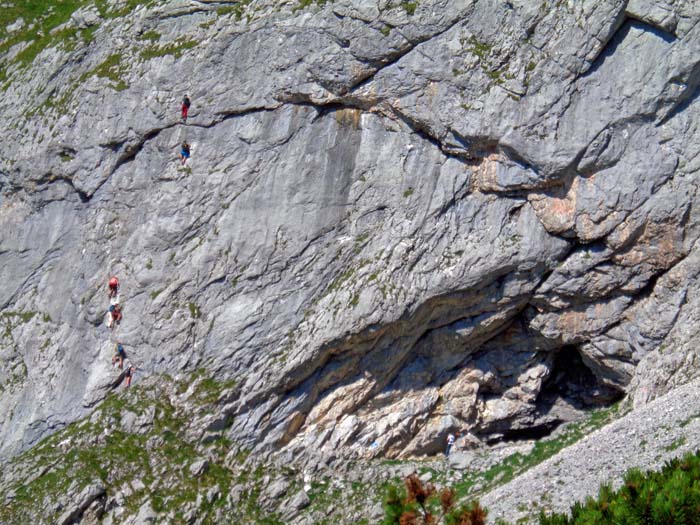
(87, 496)
(399, 219)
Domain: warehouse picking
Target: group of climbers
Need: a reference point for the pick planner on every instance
(185, 147)
(114, 314)
(114, 317)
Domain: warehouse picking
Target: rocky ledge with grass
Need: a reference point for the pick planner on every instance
(399, 219)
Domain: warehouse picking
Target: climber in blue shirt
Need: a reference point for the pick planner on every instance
(184, 152)
(119, 355)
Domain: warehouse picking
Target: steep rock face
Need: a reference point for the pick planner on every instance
(398, 219)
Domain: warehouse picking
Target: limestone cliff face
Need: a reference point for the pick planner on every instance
(399, 218)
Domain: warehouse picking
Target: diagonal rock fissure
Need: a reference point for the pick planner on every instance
(394, 58)
(132, 150)
(422, 130)
(689, 95)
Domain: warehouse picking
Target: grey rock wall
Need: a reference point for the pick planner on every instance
(395, 223)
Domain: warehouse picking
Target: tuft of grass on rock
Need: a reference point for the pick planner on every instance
(194, 311)
(303, 4)
(112, 69)
(409, 7)
(176, 49)
(153, 36)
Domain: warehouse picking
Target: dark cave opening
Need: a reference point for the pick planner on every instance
(573, 382)
(569, 393)
(529, 433)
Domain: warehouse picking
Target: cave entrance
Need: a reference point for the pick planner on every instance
(573, 383)
(571, 391)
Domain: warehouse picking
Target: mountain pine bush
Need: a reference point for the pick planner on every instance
(420, 504)
(670, 496)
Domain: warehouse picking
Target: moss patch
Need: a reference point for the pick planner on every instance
(176, 49)
(112, 69)
(409, 7)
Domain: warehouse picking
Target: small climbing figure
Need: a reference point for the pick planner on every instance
(185, 107)
(184, 152)
(129, 374)
(115, 316)
(119, 356)
(113, 287)
(450, 442)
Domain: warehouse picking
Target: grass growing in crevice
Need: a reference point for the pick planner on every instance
(237, 9)
(409, 7)
(175, 48)
(303, 4)
(153, 36)
(195, 312)
(19, 317)
(112, 69)
(209, 390)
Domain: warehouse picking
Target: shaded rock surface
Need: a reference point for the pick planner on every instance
(396, 222)
(84, 501)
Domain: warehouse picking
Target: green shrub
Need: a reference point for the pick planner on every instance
(669, 496)
(419, 504)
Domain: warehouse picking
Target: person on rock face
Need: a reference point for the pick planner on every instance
(185, 107)
(119, 355)
(129, 374)
(450, 442)
(113, 287)
(184, 152)
(115, 315)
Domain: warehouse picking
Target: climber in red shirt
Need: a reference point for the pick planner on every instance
(113, 287)
(185, 107)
